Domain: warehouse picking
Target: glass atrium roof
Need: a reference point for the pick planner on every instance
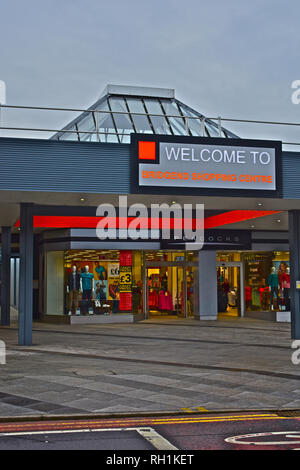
(123, 110)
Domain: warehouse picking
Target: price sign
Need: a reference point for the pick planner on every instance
(125, 279)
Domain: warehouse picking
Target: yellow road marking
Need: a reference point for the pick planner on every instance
(157, 421)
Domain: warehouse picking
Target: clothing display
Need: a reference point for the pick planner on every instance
(285, 281)
(274, 292)
(264, 298)
(86, 279)
(232, 300)
(153, 299)
(273, 283)
(255, 298)
(273, 280)
(74, 281)
(73, 290)
(72, 299)
(87, 294)
(165, 301)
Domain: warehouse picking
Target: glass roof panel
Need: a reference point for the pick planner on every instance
(177, 124)
(69, 135)
(122, 121)
(141, 123)
(159, 124)
(157, 115)
(107, 130)
(212, 129)
(87, 124)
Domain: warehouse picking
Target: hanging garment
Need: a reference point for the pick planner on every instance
(153, 299)
(165, 301)
(232, 298)
(264, 298)
(248, 293)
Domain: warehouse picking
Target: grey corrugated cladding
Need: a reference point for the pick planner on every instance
(88, 167)
(291, 175)
(47, 165)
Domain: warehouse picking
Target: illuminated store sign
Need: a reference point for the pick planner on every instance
(201, 163)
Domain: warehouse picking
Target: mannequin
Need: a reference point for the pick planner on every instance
(73, 288)
(273, 283)
(87, 286)
(285, 285)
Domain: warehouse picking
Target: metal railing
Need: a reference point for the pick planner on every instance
(217, 122)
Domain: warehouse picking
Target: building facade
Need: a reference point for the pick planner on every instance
(141, 147)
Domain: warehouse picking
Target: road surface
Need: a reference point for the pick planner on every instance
(188, 432)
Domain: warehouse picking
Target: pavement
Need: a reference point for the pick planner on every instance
(155, 366)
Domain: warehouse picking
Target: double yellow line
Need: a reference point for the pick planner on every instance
(128, 422)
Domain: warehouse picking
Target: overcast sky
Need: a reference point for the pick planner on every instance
(233, 58)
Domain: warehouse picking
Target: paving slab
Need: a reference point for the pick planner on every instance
(150, 366)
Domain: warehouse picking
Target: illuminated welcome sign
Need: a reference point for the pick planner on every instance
(200, 163)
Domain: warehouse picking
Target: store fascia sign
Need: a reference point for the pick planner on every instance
(204, 165)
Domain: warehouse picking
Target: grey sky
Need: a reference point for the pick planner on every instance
(232, 58)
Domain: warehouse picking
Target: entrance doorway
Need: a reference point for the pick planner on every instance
(165, 291)
(169, 291)
(230, 279)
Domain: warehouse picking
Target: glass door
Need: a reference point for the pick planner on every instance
(230, 289)
(166, 291)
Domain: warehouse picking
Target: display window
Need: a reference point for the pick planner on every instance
(95, 281)
(267, 281)
(263, 287)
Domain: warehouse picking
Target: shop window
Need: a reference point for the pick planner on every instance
(267, 281)
(92, 282)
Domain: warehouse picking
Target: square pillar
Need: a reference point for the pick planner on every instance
(26, 275)
(5, 276)
(206, 302)
(294, 239)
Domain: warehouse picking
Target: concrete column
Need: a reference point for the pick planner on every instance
(5, 276)
(206, 303)
(294, 238)
(26, 275)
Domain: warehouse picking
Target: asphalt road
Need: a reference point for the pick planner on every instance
(189, 432)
